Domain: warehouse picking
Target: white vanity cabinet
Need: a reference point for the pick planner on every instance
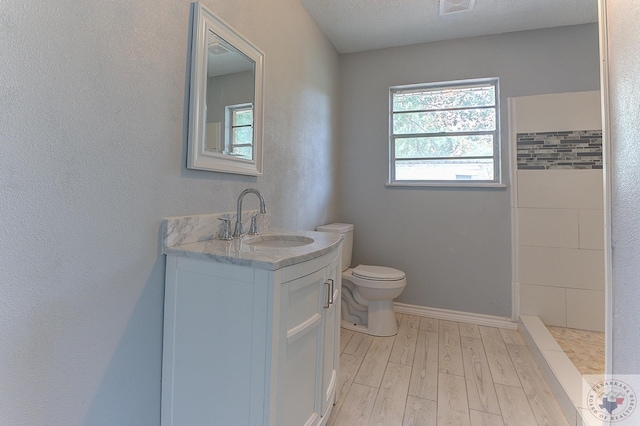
(309, 332)
(250, 346)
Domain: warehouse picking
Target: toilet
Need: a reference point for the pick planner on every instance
(367, 291)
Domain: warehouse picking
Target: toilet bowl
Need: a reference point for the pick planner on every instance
(367, 291)
(373, 289)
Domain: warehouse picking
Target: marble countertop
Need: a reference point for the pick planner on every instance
(238, 252)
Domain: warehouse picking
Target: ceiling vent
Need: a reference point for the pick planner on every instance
(218, 48)
(454, 6)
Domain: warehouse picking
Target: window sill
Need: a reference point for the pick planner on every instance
(466, 185)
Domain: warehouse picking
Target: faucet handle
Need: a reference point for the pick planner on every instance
(226, 231)
(253, 228)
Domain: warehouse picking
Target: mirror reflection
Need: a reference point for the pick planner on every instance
(229, 100)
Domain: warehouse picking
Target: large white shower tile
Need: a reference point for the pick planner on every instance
(549, 303)
(585, 309)
(561, 267)
(563, 189)
(548, 227)
(592, 229)
(558, 112)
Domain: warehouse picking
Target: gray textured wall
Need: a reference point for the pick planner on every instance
(92, 157)
(453, 244)
(624, 85)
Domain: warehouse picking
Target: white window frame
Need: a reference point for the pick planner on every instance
(230, 113)
(497, 157)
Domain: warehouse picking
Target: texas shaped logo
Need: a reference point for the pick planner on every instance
(610, 402)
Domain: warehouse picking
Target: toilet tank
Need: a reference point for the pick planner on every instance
(346, 229)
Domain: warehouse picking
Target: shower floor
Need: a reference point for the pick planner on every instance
(584, 348)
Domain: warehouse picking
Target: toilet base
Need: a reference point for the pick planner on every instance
(381, 320)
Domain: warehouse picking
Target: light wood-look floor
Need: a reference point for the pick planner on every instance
(436, 372)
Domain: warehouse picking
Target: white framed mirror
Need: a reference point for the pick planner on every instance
(225, 98)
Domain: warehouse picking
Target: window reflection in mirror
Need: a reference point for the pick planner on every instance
(229, 101)
(239, 131)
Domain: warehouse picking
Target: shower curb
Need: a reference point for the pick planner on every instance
(564, 379)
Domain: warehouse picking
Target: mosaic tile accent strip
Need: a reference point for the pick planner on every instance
(580, 149)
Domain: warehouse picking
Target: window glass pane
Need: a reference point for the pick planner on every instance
(243, 117)
(454, 170)
(483, 119)
(445, 146)
(242, 135)
(444, 98)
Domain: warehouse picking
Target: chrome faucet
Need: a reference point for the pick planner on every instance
(237, 232)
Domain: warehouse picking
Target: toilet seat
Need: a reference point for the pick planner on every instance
(377, 273)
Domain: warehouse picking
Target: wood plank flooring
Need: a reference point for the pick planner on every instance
(437, 373)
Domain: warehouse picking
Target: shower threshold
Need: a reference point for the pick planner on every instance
(568, 385)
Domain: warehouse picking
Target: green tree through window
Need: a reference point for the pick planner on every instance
(445, 132)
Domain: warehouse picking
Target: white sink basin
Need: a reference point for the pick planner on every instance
(278, 241)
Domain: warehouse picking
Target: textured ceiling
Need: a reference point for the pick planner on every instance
(358, 25)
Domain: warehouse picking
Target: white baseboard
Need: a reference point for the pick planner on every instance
(445, 314)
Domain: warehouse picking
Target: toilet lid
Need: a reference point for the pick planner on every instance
(379, 273)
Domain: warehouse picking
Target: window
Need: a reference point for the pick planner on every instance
(445, 134)
(239, 134)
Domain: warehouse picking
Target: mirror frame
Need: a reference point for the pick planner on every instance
(197, 158)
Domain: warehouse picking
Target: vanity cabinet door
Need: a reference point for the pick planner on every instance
(215, 344)
(331, 336)
(301, 349)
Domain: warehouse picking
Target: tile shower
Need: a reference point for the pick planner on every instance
(559, 215)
